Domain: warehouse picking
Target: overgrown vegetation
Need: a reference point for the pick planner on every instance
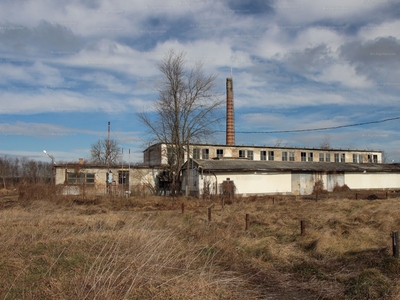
(57, 247)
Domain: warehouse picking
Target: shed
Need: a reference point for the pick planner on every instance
(252, 177)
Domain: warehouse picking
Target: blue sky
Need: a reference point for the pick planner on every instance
(70, 67)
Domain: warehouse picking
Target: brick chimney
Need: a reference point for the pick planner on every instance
(230, 114)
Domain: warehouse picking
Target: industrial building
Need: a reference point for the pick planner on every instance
(253, 169)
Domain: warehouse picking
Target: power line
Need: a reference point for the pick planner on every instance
(322, 128)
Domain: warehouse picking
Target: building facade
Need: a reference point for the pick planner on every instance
(157, 154)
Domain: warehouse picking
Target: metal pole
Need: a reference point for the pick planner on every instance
(395, 243)
(129, 173)
(303, 227)
(247, 221)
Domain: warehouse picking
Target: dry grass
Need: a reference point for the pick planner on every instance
(119, 248)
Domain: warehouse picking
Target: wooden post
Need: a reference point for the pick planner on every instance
(183, 208)
(223, 203)
(316, 196)
(395, 243)
(356, 196)
(209, 214)
(303, 227)
(387, 194)
(247, 221)
(273, 200)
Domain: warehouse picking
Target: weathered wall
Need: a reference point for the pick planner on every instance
(372, 180)
(249, 184)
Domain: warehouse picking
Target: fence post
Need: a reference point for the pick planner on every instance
(356, 196)
(387, 194)
(183, 208)
(395, 243)
(209, 214)
(273, 200)
(303, 227)
(247, 221)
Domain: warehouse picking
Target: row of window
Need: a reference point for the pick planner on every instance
(88, 178)
(288, 156)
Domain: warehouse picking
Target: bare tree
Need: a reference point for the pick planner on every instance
(326, 143)
(184, 111)
(105, 151)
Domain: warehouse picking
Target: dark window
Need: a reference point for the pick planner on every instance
(369, 158)
(343, 157)
(375, 158)
(204, 153)
(123, 177)
(242, 153)
(321, 157)
(270, 155)
(263, 155)
(303, 156)
(220, 153)
(360, 158)
(310, 156)
(355, 158)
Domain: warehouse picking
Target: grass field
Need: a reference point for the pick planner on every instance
(53, 247)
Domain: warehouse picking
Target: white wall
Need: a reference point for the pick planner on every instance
(252, 183)
(372, 180)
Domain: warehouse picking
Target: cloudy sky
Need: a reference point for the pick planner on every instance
(67, 68)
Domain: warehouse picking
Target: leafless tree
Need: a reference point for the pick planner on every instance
(185, 111)
(104, 151)
(326, 143)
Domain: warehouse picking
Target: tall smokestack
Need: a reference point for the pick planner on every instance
(230, 115)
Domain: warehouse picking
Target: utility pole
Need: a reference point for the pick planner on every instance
(187, 171)
(108, 148)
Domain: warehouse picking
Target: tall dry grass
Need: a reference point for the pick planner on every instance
(145, 248)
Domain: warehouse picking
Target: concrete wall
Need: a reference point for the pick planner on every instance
(141, 180)
(259, 183)
(372, 180)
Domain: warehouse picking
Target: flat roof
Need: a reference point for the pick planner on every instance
(274, 147)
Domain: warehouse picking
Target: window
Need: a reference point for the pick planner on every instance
(303, 156)
(355, 158)
(369, 158)
(123, 177)
(220, 153)
(343, 157)
(360, 158)
(375, 157)
(250, 154)
(196, 153)
(270, 155)
(263, 155)
(171, 155)
(321, 157)
(336, 155)
(291, 156)
(284, 156)
(242, 153)
(328, 157)
(80, 178)
(310, 156)
(204, 153)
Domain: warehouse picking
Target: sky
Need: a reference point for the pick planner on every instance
(67, 68)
